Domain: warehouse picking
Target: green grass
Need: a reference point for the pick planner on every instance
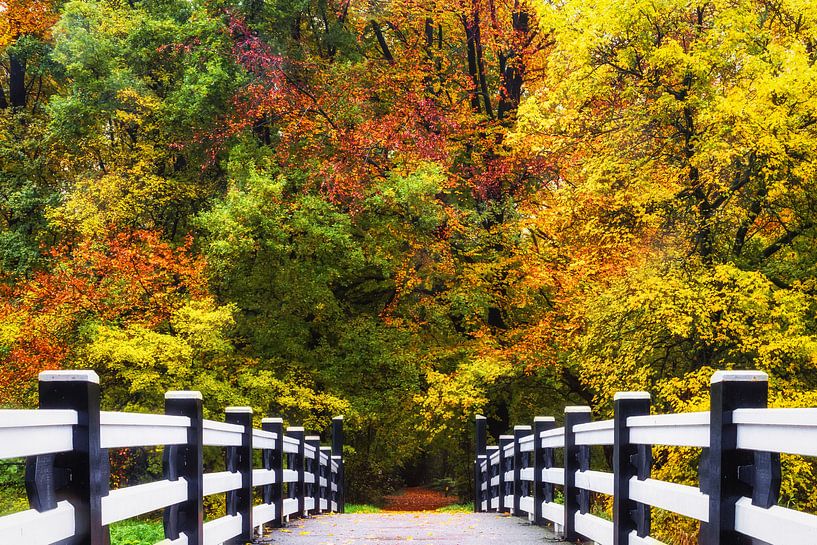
(457, 508)
(361, 508)
(136, 532)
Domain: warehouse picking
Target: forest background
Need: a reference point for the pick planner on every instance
(410, 212)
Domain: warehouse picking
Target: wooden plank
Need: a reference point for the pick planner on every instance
(261, 477)
(262, 514)
(290, 506)
(220, 530)
(684, 500)
(128, 430)
(597, 481)
(790, 431)
(34, 528)
(683, 430)
(125, 503)
(30, 433)
(776, 525)
(263, 439)
(554, 475)
(223, 481)
(221, 434)
(595, 528)
(554, 512)
(594, 433)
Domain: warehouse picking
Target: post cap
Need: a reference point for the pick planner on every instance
(312, 438)
(182, 394)
(544, 419)
(326, 448)
(272, 420)
(337, 457)
(492, 447)
(238, 410)
(295, 428)
(481, 456)
(338, 417)
(521, 428)
(577, 409)
(69, 375)
(631, 395)
(739, 376)
(479, 417)
(508, 437)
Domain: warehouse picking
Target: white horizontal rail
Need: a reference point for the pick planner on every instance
(509, 450)
(261, 477)
(181, 540)
(127, 430)
(324, 504)
(595, 528)
(309, 503)
(309, 478)
(509, 476)
(526, 504)
(34, 528)
(594, 433)
(220, 530)
(263, 439)
(633, 539)
(290, 445)
(129, 502)
(290, 476)
(554, 475)
(30, 433)
(776, 525)
(495, 480)
(790, 431)
(684, 500)
(681, 430)
(554, 512)
(554, 438)
(262, 514)
(290, 506)
(526, 474)
(526, 443)
(223, 481)
(221, 434)
(596, 481)
(494, 503)
(335, 506)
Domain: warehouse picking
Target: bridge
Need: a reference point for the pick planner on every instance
(536, 485)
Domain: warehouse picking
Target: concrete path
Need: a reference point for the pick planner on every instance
(418, 527)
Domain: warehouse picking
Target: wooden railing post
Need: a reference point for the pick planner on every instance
(326, 491)
(337, 450)
(484, 478)
(541, 491)
(186, 462)
(85, 470)
(629, 461)
(274, 493)
(299, 465)
(727, 473)
(239, 459)
(505, 486)
(518, 486)
(576, 499)
(480, 441)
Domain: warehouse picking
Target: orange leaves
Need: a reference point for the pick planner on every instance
(121, 277)
(25, 17)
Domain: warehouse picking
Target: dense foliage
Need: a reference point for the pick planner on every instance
(409, 212)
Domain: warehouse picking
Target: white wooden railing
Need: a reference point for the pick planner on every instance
(66, 441)
(736, 500)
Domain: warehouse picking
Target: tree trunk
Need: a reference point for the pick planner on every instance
(511, 64)
(472, 63)
(17, 82)
(483, 84)
(3, 103)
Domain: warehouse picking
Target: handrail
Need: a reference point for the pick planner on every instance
(520, 477)
(297, 478)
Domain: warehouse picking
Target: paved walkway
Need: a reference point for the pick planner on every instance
(419, 528)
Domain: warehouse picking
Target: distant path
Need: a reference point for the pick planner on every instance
(419, 528)
(418, 499)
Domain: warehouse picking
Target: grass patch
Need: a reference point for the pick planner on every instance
(136, 532)
(457, 508)
(361, 508)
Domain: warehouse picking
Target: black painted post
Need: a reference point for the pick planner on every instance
(505, 486)
(239, 459)
(575, 500)
(87, 465)
(299, 465)
(337, 450)
(480, 441)
(727, 473)
(629, 461)
(314, 441)
(274, 493)
(493, 491)
(540, 488)
(185, 462)
(518, 486)
(484, 479)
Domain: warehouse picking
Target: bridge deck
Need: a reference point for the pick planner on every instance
(419, 527)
